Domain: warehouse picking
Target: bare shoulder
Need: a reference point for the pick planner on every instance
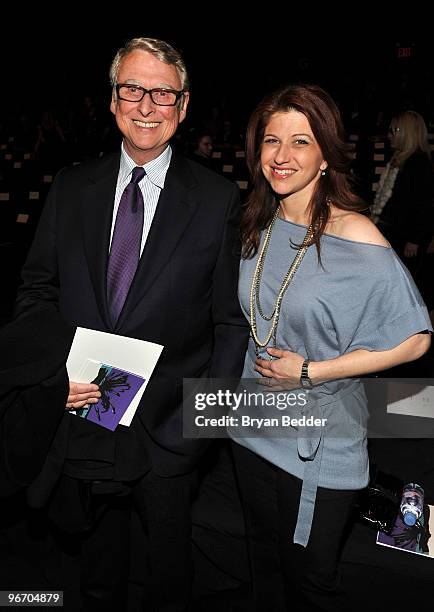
(354, 226)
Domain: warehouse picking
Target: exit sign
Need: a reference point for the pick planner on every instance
(404, 51)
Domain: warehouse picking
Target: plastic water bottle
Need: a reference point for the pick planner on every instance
(412, 503)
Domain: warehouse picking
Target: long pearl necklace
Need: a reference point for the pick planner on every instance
(256, 284)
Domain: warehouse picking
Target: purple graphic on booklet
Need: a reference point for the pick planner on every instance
(117, 387)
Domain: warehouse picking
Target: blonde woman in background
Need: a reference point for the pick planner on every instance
(403, 206)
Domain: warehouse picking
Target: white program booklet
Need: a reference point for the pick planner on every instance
(137, 357)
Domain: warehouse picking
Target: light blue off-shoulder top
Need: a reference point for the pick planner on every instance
(359, 297)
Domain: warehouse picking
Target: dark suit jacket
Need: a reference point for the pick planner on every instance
(33, 391)
(184, 296)
(408, 214)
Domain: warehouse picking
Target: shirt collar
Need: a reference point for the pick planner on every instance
(156, 169)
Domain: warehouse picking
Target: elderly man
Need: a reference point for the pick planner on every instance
(140, 243)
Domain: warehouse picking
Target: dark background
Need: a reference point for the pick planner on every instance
(54, 61)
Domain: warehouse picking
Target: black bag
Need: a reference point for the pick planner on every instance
(378, 505)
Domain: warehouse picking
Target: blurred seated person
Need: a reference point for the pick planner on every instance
(202, 151)
(87, 130)
(25, 132)
(50, 142)
(403, 205)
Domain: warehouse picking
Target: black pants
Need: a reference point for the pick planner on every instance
(164, 508)
(92, 527)
(97, 524)
(287, 576)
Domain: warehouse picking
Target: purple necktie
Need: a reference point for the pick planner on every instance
(125, 248)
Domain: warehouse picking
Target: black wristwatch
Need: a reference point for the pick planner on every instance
(305, 381)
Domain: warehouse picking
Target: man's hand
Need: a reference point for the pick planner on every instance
(81, 394)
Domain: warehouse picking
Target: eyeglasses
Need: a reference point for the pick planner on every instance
(394, 130)
(158, 95)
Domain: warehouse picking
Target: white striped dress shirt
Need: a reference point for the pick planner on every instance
(150, 186)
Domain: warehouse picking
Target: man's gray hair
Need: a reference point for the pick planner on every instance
(160, 49)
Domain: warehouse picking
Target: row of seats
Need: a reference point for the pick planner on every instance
(24, 182)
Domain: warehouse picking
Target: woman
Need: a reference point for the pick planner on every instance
(327, 300)
(405, 196)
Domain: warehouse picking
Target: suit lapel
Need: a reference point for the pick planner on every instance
(97, 210)
(176, 207)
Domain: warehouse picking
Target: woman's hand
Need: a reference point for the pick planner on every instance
(284, 370)
(281, 372)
